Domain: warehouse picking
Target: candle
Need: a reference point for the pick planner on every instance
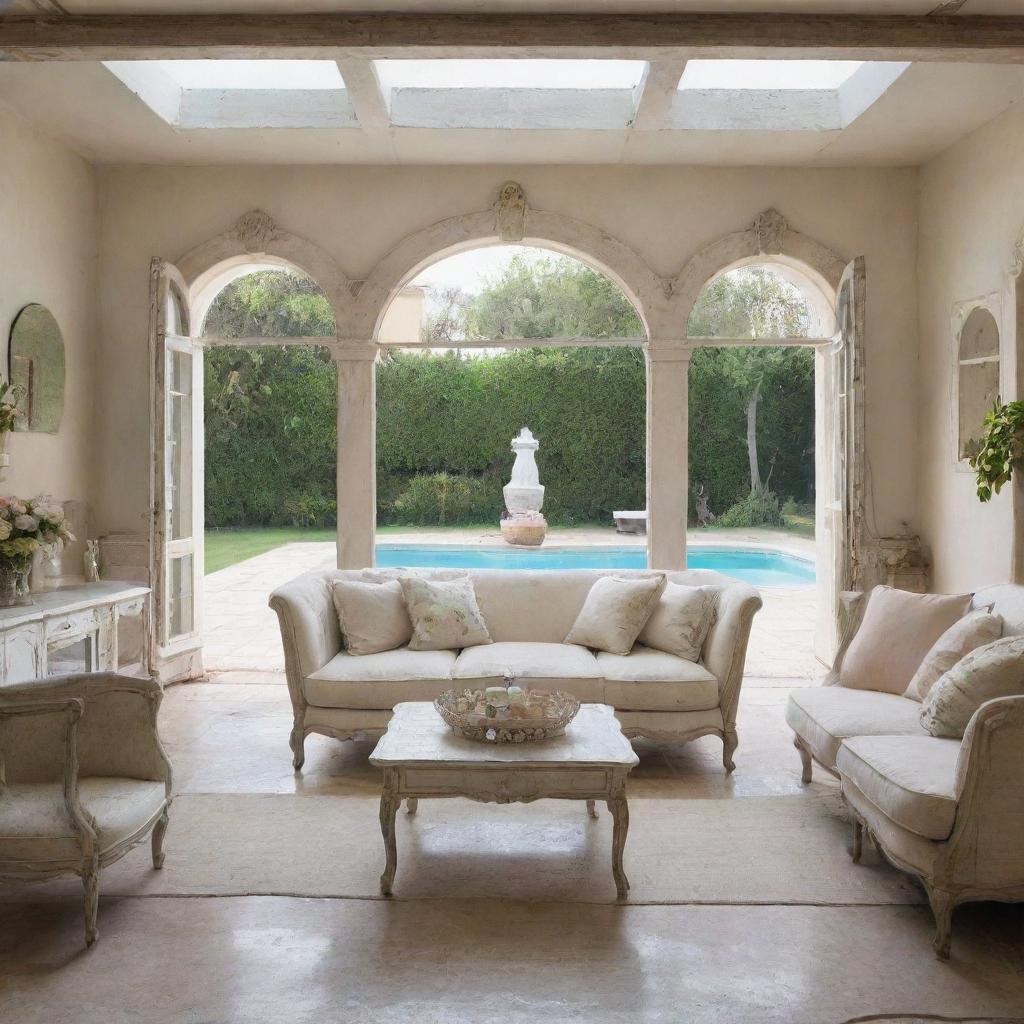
(516, 695)
(496, 695)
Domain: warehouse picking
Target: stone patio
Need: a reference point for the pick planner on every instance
(241, 633)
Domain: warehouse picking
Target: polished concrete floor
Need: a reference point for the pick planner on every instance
(194, 959)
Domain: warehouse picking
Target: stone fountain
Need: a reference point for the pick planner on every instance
(523, 523)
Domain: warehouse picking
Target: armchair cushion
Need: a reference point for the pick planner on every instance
(35, 826)
(911, 779)
(824, 716)
(542, 666)
(646, 680)
(897, 631)
(377, 682)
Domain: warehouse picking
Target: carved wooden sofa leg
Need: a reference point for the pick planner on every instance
(858, 840)
(297, 741)
(158, 841)
(942, 903)
(729, 743)
(91, 884)
(805, 759)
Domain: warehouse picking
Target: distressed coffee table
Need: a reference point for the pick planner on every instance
(422, 757)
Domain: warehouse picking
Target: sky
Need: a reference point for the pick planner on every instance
(469, 270)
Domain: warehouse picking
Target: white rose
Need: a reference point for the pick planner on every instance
(5, 529)
(27, 523)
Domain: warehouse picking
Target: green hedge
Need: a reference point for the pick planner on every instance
(445, 423)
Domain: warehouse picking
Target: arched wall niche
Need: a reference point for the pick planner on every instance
(257, 242)
(769, 241)
(607, 255)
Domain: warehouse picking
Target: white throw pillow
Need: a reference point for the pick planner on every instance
(995, 670)
(971, 632)
(681, 619)
(615, 611)
(372, 616)
(444, 614)
(897, 631)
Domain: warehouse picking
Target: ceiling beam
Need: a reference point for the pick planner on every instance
(370, 100)
(971, 38)
(654, 94)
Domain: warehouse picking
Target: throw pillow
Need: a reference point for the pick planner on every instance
(444, 614)
(897, 631)
(372, 616)
(972, 631)
(681, 619)
(995, 670)
(615, 611)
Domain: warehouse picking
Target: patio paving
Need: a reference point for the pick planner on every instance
(241, 633)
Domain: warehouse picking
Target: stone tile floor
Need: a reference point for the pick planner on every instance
(241, 633)
(248, 958)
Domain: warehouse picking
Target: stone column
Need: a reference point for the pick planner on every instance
(357, 453)
(668, 366)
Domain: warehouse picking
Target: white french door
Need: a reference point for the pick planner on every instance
(840, 447)
(176, 488)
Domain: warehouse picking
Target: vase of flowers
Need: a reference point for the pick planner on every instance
(25, 526)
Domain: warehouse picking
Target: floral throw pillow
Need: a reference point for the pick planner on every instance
(615, 611)
(967, 634)
(680, 621)
(444, 614)
(995, 670)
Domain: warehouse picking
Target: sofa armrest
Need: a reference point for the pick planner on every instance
(989, 831)
(310, 632)
(851, 612)
(725, 649)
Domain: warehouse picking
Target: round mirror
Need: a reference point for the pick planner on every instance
(37, 370)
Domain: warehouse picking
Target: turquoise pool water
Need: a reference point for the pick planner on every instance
(761, 568)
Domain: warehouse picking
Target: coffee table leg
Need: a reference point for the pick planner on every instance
(620, 817)
(389, 803)
(592, 808)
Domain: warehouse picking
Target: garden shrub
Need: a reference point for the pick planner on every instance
(446, 499)
(758, 508)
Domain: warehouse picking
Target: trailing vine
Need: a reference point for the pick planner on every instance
(1002, 448)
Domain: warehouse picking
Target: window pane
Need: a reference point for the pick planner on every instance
(179, 444)
(750, 302)
(181, 610)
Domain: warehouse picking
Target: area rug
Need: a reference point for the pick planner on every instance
(753, 850)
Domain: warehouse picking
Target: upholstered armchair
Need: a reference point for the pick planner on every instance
(83, 778)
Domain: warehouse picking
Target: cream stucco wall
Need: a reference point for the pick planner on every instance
(48, 237)
(359, 214)
(971, 212)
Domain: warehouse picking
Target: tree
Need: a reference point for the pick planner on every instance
(444, 322)
(752, 304)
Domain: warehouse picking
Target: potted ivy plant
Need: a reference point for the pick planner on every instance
(1001, 450)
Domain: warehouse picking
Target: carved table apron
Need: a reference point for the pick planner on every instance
(422, 757)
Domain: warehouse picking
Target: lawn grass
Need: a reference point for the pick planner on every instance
(226, 547)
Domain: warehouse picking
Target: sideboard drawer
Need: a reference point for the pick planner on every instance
(507, 786)
(75, 623)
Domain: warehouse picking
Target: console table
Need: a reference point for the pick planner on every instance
(92, 627)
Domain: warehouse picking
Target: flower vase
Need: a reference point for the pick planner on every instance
(14, 585)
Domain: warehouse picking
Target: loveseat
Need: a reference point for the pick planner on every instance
(528, 615)
(949, 811)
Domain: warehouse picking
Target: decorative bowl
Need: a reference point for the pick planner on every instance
(542, 715)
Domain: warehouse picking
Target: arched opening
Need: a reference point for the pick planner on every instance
(264, 450)
(763, 467)
(477, 344)
(977, 378)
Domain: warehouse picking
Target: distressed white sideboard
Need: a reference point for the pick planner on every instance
(92, 627)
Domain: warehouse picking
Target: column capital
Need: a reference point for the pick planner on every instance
(351, 351)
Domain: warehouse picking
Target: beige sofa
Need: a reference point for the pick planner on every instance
(949, 811)
(528, 615)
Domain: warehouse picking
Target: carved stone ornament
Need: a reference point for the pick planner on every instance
(770, 228)
(510, 212)
(255, 229)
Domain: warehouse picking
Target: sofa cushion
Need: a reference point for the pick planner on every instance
(648, 680)
(965, 635)
(615, 611)
(911, 779)
(824, 716)
(444, 614)
(372, 616)
(378, 682)
(34, 824)
(541, 666)
(680, 621)
(995, 670)
(898, 630)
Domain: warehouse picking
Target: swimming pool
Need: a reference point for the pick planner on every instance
(760, 567)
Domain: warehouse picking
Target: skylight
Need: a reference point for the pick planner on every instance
(253, 74)
(510, 74)
(768, 74)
